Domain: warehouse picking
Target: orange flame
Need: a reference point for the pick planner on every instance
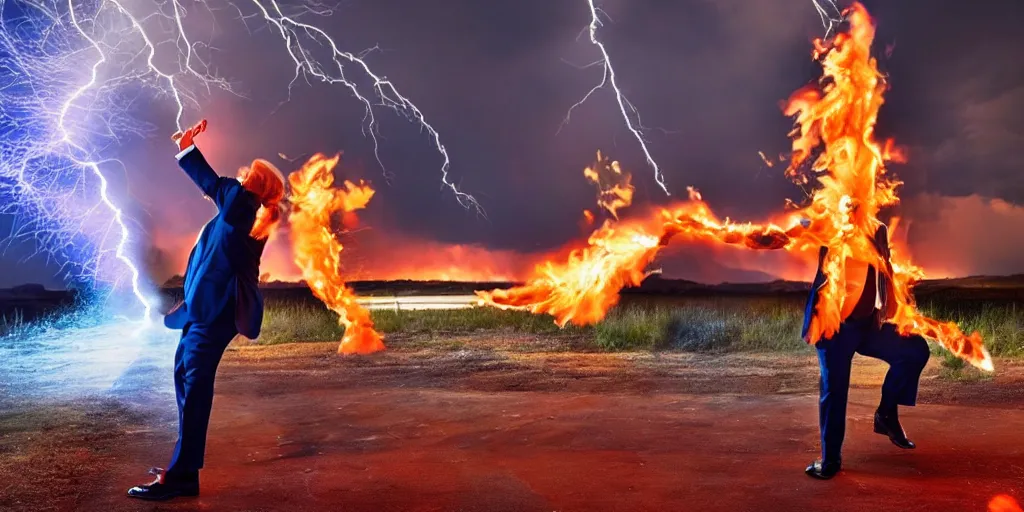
(317, 251)
(1004, 503)
(587, 285)
(837, 117)
(614, 189)
(588, 217)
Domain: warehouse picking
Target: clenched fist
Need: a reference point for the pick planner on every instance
(185, 139)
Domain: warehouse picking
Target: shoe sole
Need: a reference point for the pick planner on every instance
(163, 498)
(893, 441)
(819, 476)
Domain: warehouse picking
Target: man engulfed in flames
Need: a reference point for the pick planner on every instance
(861, 297)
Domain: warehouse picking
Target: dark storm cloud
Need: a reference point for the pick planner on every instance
(957, 91)
(496, 79)
(497, 82)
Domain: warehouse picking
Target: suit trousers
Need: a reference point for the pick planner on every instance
(906, 355)
(195, 365)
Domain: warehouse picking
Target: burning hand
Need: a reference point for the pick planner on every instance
(185, 139)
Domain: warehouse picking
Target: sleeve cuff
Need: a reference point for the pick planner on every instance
(187, 150)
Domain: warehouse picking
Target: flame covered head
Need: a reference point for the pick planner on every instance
(267, 184)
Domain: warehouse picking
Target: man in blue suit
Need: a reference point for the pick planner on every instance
(870, 302)
(222, 299)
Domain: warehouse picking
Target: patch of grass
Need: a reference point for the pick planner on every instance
(632, 328)
(956, 369)
(716, 324)
(464, 320)
(299, 321)
(1000, 325)
(17, 324)
(291, 321)
(700, 328)
(12, 324)
(772, 329)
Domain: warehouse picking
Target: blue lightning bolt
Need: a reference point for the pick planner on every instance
(292, 32)
(38, 53)
(629, 112)
(95, 167)
(64, 66)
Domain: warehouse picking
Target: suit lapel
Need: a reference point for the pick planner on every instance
(882, 246)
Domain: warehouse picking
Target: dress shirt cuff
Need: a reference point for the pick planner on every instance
(187, 150)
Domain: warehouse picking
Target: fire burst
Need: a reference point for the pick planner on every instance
(582, 289)
(835, 117)
(317, 251)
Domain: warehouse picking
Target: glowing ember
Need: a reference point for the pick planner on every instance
(318, 253)
(836, 117)
(588, 217)
(1004, 503)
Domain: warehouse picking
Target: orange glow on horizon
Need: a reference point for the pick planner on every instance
(435, 261)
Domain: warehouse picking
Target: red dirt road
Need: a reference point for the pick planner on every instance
(296, 428)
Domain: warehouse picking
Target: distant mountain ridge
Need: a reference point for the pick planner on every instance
(32, 300)
(654, 284)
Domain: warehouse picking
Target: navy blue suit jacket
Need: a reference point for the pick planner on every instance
(225, 262)
(885, 290)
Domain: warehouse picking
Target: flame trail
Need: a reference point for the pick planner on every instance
(317, 251)
(583, 288)
(836, 117)
(630, 115)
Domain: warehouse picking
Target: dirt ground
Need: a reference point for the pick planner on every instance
(490, 428)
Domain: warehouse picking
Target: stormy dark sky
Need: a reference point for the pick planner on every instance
(496, 79)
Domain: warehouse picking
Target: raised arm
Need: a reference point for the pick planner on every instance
(194, 164)
(192, 161)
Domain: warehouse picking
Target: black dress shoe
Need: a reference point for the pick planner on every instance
(823, 470)
(890, 426)
(164, 488)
